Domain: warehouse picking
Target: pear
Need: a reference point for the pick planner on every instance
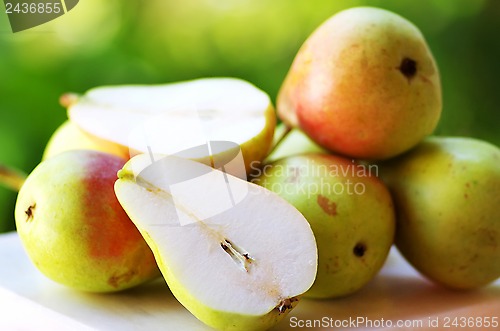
(69, 136)
(447, 193)
(234, 254)
(364, 84)
(73, 228)
(172, 118)
(350, 211)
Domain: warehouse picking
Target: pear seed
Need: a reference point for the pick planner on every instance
(239, 256)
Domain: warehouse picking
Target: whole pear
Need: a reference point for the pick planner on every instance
(364, 84)
(74, 229)
(350, 212)
(447, 192)
(69, 136)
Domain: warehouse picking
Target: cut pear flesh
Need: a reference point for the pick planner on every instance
(171, 118)
(233, 253)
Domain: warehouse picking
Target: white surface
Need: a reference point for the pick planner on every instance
(29, 301)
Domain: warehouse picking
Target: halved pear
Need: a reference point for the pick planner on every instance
(171, 118)
(236, 255)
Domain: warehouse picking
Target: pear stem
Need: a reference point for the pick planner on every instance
(68, 99)
(11, 178)
(279, 139)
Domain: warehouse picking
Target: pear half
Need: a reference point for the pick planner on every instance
(236, 255)
(171, 118)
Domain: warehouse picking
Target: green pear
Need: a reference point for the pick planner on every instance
(364, 84)
(172, 118)
(236, 255)
(447, 192)
(74, 229)
(350, 211)
(69, 136)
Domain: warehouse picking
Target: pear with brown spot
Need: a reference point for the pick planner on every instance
(350, 211)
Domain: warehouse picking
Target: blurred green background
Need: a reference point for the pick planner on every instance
(157, 41)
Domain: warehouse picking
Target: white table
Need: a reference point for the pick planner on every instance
(29, 301)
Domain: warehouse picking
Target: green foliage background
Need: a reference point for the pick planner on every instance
(157, 41)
